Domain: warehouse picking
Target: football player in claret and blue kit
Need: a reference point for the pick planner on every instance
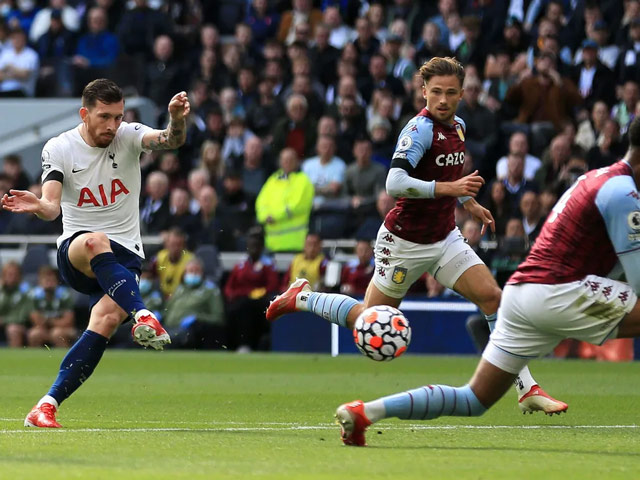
(419, 235)
(565, 288)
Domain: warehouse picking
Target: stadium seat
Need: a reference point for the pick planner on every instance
(211, 259)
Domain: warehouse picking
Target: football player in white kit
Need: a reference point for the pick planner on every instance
(92, 174)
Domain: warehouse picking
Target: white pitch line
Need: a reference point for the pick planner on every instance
(296, 427)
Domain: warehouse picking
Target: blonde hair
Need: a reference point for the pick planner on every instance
(440, 66)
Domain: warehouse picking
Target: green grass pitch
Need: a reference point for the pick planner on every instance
(200, 415)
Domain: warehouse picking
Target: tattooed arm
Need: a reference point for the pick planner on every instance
(175, 134)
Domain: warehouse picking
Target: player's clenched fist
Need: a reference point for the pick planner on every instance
(179, 106)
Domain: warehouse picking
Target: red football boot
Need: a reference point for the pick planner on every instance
(286, 302)
(353, 423)
(43, 416)
(537, 400)
(148, 332)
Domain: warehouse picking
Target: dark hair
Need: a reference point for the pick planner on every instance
(634, 133)
(440, 66)
(101, 89)
(13, 158)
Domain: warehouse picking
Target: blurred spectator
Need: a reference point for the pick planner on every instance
(195, 313)
(351, 125)
(545, 101)
(481, 134)
(498, 76)
(154, 205)
(302, 12)
(19, 66)
(254, 172)
(211, 161)
(14, 304)
(456, 32)
(365, 44)
(559, 153)
(430, 44)
(495, 199)
(340, 34)
(171, 261)
(214, 130)
(609, 147)
(20, 13)
(628, 61)
(247, 91)
(42, 20)
(209, 227)
(397, 65)
(284, 204)
(324, 57)
(236, 212)
(548, 198)
(471, 50)
(512, 251)
(607, 52)
(623, 112)
(589, 130)
(250, 285)
(514, 39)
(55, 49)
(261, 114)
(163, 73)
(375, 14)
(182, 218)
(310, 264)
(515, 183)
(231, 107)
(169, 164)
(325, 170)
(357, 273)
(363, 181)
(519, 145)
(140, 26)
(235, 141)
(382, 142)
(12, 167)
(593, 78)
(532, 219)
(51, 314)
(378, 78)
(196, 181)
(574, 168)
(243, 36)
(263, 23)
(297, 130)
(97, 50)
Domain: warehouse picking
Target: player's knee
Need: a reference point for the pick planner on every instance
(491, 300)
(96, 243)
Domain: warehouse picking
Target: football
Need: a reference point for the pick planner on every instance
(382, 333)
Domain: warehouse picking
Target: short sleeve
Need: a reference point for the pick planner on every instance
(133, 133)
(619, 204)
(414, 140)
(52, 159)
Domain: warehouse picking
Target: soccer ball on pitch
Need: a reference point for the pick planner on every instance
(382, 333)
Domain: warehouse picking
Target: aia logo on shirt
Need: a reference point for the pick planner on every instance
(88, 197)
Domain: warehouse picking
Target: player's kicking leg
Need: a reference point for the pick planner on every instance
(488, 385)
(85, 258)
(478, 285)
(334, 307)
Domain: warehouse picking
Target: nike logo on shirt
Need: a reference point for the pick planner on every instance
(76, 170)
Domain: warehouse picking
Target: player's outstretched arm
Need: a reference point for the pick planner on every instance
(46, 208)
(175, 134)
(467, 186)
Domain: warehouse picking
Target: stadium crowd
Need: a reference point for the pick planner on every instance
(296, 108)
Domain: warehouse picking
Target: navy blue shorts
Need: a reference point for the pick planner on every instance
(87, 285)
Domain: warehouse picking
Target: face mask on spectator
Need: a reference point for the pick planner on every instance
(145, 286)
(192, 279)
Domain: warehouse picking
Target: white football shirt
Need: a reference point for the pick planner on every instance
(101, 186)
